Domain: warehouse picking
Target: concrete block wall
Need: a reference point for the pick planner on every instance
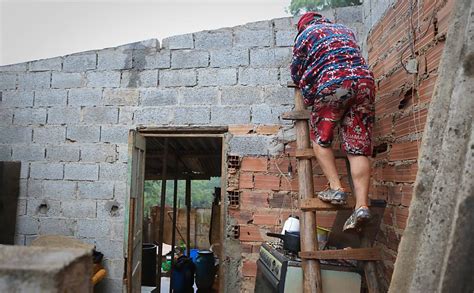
(67, 119)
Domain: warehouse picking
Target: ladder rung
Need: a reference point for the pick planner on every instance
(352, 253)
(291, 84)
(296, 115)
(315, 204)
(309, 153)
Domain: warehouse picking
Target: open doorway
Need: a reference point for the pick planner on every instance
(175, 202)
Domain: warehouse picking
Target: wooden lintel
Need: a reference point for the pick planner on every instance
(183, 129)
(350, 253)
(296, 115)
(315, 204)
(291, 84)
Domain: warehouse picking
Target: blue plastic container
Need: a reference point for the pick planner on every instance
(193, 255)
(205, 270)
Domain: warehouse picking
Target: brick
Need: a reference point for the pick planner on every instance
(12, 135)
(53, 97)
(267, 182)
(151, 59)
(281, 164)
(258, 76)
(404, 151)
(273, 95)
(122, 97)
(66, 80)
(265, 219)
(157, 97)
(278, 199)
(189, 59)
(16, 98)
(103, 78)
(80, 62)
(400, 173)
(153, 115)
(52, 226)
(96, 190)
(113, 172)
(26, 225)
(325, 219)
(77, 171)
(192, 115)
(28, 152)
(7, 81)
(252, 38)
(49, 134)
(46, 64)
(250, 145)
(138, 79)
(250, 233)
(285, 38)
(99, 153)
(100, 115)
(27, 116)
(84, 97)
(83, 133)
(63, 153)
(61, 190)
(229, 57)
(64, 115)
(183, 77)
(46, 170)
(253, 199)
(240, 216)
(114, 59)
(270, 57)
(79, 208)
(268, 129)
(114, 134)
(254, 164)
(245, 180)
(230, 115)
(34, 80)
(213, 39)
(199, 96)
(217, 76)
(179, 42)
(289, 184)
(240, 95)
(240, 129)
(249, 268)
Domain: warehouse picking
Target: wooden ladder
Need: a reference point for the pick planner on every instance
(309, 205)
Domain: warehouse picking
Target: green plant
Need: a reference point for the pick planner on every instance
(301, 6)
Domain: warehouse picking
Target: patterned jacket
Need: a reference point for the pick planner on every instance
(325, 54)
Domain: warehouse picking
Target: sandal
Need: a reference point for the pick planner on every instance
(335, 197)
(358, 217)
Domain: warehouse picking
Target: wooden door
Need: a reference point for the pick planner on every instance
(134, 223)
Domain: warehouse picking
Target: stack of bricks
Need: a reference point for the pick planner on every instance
(401, 107)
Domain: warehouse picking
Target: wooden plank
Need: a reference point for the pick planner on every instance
(162, 215)
(183, 129)
(351, 253)
(291, 84)
(188, 217)
(296, 115)
(315, 204)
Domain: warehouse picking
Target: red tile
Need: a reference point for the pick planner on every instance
(254, 164)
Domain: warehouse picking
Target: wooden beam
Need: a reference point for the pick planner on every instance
(291, 84)
(173, 233)
(315, 204)
(162, 215)
(351, 253)
(296, 115)
(188, 217)
(183, 129)
(179, 176)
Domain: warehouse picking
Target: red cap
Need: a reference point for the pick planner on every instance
(306, 19)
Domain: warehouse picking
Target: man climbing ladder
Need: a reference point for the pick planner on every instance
(335, 80)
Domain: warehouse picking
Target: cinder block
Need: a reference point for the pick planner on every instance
(103, 78)
(78, 171)
(96, 190)
(213, 39)
(126, 115)
(5, 152)
(278, 95)
(285, 38)
(262, 114)
(7, 81)
(83, 133)
(250, 145)
(110, 210)
(26, 225)
(230, 57)
(12, 135)
(283, 23)
(98, 153)
(63, 153)
(27, 116)
(183, 77)
(217, 76)
(279, 110)
(34, 80)
(252, 38)
(53, 97)
(14, 67)
(6, 116)
(349, 14)
(79, 208)
(120, 191)
(64, 115)
(113, 172)
(17, 99)
(66, 80)
(192, 115)
(19, 240)
(23, 188)
(127, 97)
(49, 134)
(153, 115)
(151, 59)
(230, 115)
(140, 45)
(115, 266)
(179, 42)
(285, 76)
(122, 150)
(157, 97)
(138, 79)
(110, 59)
(43, 207)
(55, 226)
(270, 57)
(80, 62)
(114, 134)
(46, 64)
(240, 95)
(24, 170)
(84, 97)
(35, 188)
(92, 228)
(30, 152)
(100, 115)
(46, 170)
(189, 59)
(258, 76)
(199, 96)
(21, 207)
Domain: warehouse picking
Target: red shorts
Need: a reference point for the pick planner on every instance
(352, 105)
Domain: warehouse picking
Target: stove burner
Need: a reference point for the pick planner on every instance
(278, 246)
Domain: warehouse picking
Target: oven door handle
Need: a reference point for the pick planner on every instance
(267, 274)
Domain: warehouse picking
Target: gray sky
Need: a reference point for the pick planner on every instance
(36, 29)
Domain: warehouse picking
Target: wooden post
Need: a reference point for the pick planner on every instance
(188, 216)
(311, 268)
(162, 214)
(173, 234)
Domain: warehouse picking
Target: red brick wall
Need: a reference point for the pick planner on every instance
(401, 107)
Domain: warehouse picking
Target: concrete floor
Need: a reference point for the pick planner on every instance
(165, 286)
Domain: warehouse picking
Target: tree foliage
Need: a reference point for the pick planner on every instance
(301, 6)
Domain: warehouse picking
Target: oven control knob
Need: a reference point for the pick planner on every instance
(273, 264)
(277, 271)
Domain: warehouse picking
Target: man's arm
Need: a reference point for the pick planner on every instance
(297, 67)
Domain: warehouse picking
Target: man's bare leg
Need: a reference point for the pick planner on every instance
(360, 171)
(325, 157)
